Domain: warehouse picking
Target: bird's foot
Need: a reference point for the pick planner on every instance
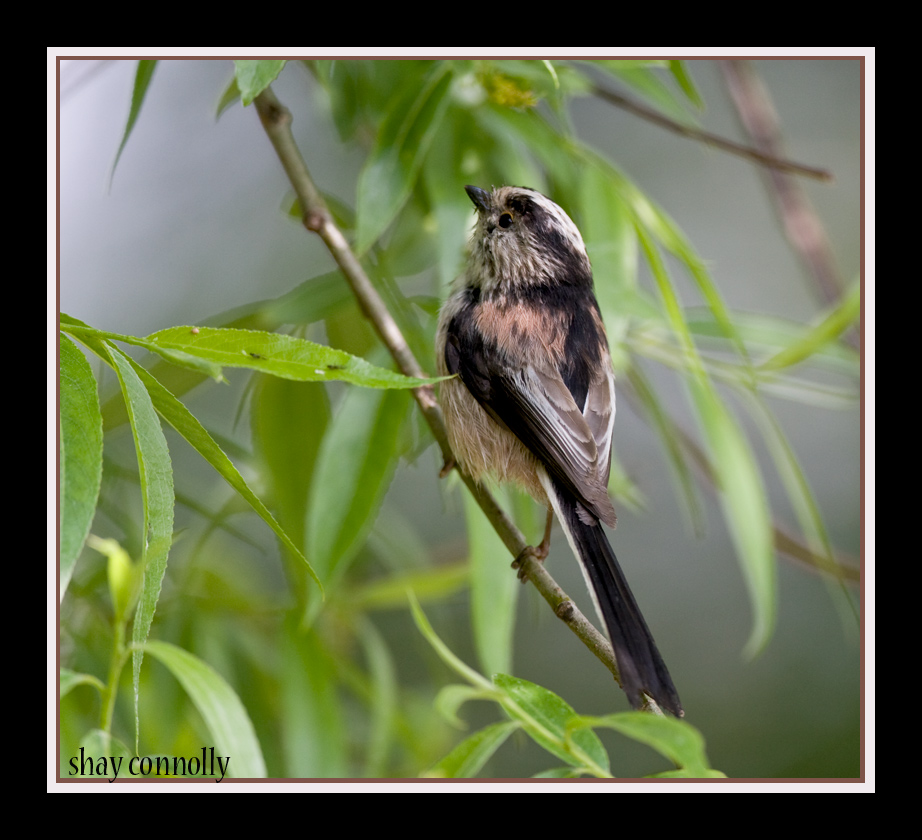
(535, 552)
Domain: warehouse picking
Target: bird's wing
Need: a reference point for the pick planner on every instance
(532, 400)
(599, 412)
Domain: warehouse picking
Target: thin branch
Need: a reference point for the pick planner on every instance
(276, 120)
(841, 567)
(763, 157)
(849, 571)
(785, 543)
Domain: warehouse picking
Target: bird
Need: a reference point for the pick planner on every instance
(531, 399)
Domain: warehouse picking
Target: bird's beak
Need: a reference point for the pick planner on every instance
(481, 198)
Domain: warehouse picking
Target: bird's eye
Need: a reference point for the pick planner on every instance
(505, 220)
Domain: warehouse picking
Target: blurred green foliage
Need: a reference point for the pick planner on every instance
(294, 681)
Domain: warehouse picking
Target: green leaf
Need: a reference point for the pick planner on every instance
(354, 467)
(798, 488)
(467, 759)
(437, 583)
(542, 714)
(680, 73)
(675, 739)
(444, 184)
(384, 701)
(742, 492)
(671, 438)
(452, 697)
(557, 773)
(547, 717)
(840, 318)
(280, 355)
(309, 302)
(745, 508)
(618, 65)
(390, 172)
(289, 420)
(656, 224)
(195, 434)
(142, 78)
(69, 680)
(520, 137)
(229, 97)
(494, 592)
(81, 455)
(156, 475)
(313, 729)
(176, 357)
(220, 707)
(658, 344)
(649, 83)
(607, 225)
(768, 335)
(253, 77)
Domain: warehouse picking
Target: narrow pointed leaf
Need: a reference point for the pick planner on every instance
(742, 492)
(81, 455)
(798, 488)
(389, 175)
(494, 592)
(467, 759)
(69, 680)
(675, 739)
(648, 82)
(354, 467)
(546, 717)
(384, 702)
(224, 715)
(312, 718)
(680, 73)
(670, 437)
(280, 355)
(838, 319)
(142, 78)
(156, 474)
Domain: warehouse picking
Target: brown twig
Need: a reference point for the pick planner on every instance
(763, 157)
(276, 120)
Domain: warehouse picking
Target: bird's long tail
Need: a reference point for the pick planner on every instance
(642, 668)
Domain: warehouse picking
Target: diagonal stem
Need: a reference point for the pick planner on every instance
(276, 120)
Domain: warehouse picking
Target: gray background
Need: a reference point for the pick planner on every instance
(191, 226)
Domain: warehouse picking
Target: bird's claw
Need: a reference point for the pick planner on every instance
(536, 552)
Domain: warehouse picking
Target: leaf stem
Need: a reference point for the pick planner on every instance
(116, 664)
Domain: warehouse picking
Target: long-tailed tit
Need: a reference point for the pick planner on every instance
(534, 401)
